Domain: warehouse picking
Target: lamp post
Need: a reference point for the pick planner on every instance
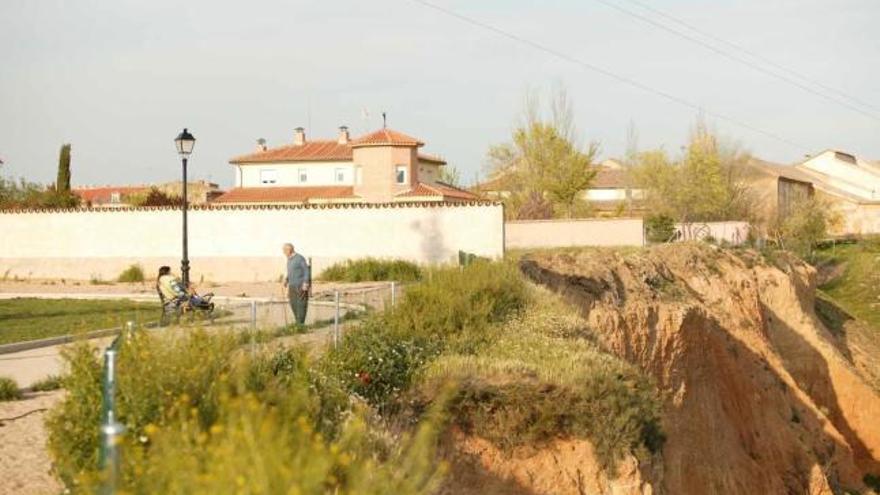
(185, 143)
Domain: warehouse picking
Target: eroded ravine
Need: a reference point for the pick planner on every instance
(760, 398)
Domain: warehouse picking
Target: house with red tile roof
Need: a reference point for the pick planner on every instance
(109, 196)
(384, 166)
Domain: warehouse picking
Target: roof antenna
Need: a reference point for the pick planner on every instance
(384, 123)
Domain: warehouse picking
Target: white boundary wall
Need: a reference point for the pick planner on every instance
(524, 234)
(235, 243)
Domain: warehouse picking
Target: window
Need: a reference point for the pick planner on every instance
(340, 175)
(401, 174)
(268, 176)
(303, 176)
(114, 197)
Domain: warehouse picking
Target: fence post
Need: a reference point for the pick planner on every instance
(253, 329)
(129, 326)
(336, 318)
(111, 430)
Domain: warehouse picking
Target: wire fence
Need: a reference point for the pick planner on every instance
(329, 312)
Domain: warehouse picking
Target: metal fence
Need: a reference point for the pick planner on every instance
(330, 312)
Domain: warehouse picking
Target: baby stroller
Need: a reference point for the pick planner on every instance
(177, 301)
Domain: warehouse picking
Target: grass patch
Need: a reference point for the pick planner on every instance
(857, 289)
(51, 382)
(134, 273)
(372, 270)
(9, 389)
(31, 318)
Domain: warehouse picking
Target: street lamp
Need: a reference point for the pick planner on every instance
(185, 143)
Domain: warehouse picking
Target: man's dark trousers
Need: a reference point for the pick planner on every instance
(299, 303)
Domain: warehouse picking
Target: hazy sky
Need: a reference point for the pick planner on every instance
(119, 79)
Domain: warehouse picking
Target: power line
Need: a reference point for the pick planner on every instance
(623, 79)
(738, 59)
(753, 54)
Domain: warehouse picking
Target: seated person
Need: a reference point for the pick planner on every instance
(173, 291)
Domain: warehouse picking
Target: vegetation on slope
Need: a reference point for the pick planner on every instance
(202, 415)
(857, 288)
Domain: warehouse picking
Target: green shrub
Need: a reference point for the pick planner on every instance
(455, 308)
(9, 389)
(659, 228)
(134, 273)
(378, 362)
(97, 280)
(455, 300)
(201, 416)
(51, 382)
(372, 270)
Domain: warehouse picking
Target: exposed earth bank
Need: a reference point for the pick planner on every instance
(760, 396)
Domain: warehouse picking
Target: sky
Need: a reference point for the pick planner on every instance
(119, 79)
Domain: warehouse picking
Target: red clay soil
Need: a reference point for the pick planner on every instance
(761, 397)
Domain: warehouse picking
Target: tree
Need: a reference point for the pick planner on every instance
(705, 184)
(62, 183)
(155, 197)
(450, 176)
(544, 160)
(808, 221)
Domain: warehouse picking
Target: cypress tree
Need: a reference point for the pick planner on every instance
(62, 183)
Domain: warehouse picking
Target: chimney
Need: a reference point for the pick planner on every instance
(261, 145)
(343, 135)
(299, 136)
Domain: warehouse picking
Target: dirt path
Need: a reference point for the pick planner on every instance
(24, 461)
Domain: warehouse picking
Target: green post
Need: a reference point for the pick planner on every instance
(111, 429)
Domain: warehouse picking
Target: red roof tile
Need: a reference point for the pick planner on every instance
(325, 150)
(439, 190)
(285, 194)
(386, 137)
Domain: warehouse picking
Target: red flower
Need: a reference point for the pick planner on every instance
(364, 377)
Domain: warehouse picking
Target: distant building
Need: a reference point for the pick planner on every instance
(611, 190)
(198, 192)
(850, 184)
(381, 167)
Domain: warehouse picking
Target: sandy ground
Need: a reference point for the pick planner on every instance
(24, 462)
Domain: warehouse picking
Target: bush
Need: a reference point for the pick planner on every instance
(51, 382)
(659, 228)
(454, 309)
(372, 270)
(134, 273)
(9, 389)
(202, 417)
(378, 362)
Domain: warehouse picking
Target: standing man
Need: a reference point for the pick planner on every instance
(297, 283)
